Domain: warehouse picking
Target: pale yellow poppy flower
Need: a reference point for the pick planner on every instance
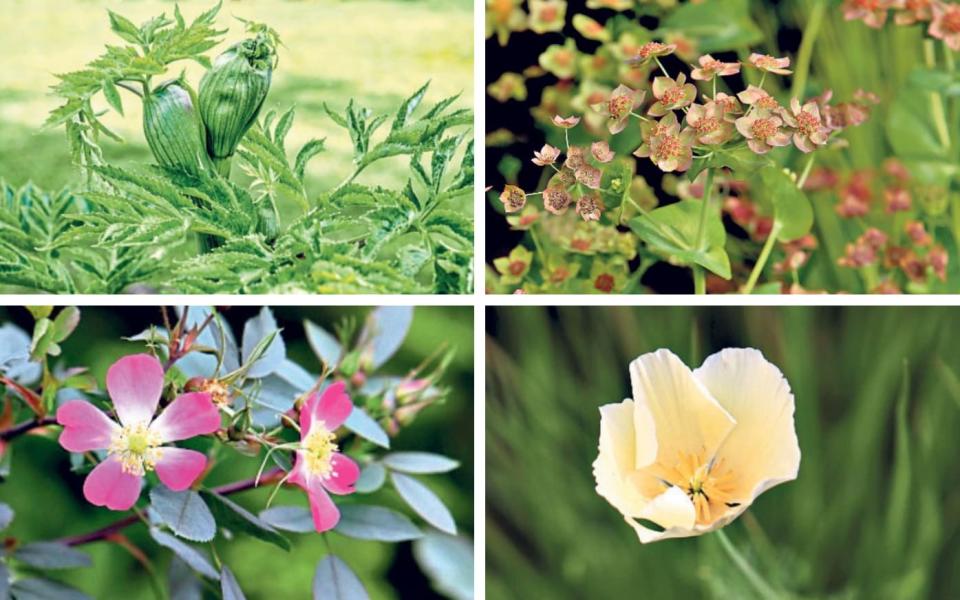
(693, 449)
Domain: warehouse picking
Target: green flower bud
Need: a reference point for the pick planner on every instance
(174, 130)
(232, 92)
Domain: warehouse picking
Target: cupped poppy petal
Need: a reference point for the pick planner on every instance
(135, 383)
(686, 417)
(673, 511)
(762, 451)
(109, 485)
(178, 468)
(325, 513)
(620, 450)
(190, 415)
(343, 475)
(332, 407)
(85, 427)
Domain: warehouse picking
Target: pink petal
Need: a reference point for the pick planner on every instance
(325, 512)
(135, 383)
(178, 468)
(298, 474)
(189, 415)
(108, 485)
(343, 476)
(84, 427)
(333, 408)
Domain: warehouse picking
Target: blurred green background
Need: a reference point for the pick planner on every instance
(49, 504)
(874, 513)
(376, 51)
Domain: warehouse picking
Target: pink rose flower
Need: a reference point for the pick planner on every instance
(135, 445)
(319, 468)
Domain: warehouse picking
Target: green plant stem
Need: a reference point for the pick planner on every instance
(348, 180)
(759, 583)
(810, 32)
(702, 224)
(936, 100)
(806, 171)
(699, 280)
(762, 259)
(699, 277)
(662, 69)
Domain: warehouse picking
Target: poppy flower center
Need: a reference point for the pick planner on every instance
(137, 448)
(318, 450)
(708, 483)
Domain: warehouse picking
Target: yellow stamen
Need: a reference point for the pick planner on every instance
(708, 483)
(318, 450)
(137, 448)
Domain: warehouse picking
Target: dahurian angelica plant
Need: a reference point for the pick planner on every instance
(222, 175)
(189, 402)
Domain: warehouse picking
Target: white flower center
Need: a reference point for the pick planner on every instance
(137, 448)
(318, 450)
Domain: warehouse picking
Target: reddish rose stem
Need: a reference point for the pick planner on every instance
(21, 428)
(224, 490)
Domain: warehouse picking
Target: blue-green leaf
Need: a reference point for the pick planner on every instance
(229, 585)
(376, 523)
(190, 555)
(363, 425)
(51, 555)
(387, 327)
(6, 516)
(33, 588)
(255, 331)
(185, 513)
(448, 562)
(233, 516)
(289, 518)
(371, 478)
(324, 345)
(424, 502)
(333, 580)
(419, 462)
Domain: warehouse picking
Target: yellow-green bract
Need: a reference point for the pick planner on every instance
(232, 92)
(173, 128)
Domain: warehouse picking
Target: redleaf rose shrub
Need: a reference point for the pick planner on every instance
(191, 223)
(639, 115)
(200, 405)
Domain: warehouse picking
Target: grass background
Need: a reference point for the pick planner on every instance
(874, 513)
(49, 504)
(376, 51)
